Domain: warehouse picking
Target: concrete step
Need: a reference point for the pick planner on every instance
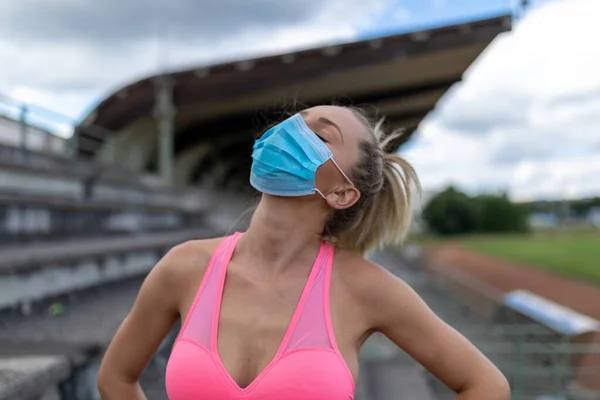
(74, 340)
(32, 377)
(31, 273)
(20, 259)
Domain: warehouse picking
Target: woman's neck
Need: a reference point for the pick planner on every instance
(283, 232)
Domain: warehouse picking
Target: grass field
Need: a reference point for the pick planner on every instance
(570, 252)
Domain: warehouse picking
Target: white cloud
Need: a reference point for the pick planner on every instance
(75, 68)
(527, 116)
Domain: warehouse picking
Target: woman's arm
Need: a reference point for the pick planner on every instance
(406, 320)
(153, 314)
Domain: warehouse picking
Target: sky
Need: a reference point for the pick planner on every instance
(525, 120)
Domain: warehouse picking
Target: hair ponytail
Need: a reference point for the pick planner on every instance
(382, 215)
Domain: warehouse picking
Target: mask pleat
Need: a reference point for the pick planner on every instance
(286, 158)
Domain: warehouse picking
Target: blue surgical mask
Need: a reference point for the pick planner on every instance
(286, 157)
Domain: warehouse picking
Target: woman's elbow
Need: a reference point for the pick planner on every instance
(111, 385)
(103, 384)
(492, 386)
(105, 381)
(502, 387)
(495, 387)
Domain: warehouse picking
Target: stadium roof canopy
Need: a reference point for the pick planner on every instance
(221, 108)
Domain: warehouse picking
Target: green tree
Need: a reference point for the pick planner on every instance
(499, 214)
(450, 212)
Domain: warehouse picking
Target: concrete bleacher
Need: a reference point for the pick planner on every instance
(68, 224)
(71, 343)
(57, 319)
(32, 377)
(52, 197)
(30, 274)
(76, 238)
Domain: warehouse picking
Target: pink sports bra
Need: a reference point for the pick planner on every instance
(307, 366)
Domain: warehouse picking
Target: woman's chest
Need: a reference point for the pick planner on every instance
(253, 321)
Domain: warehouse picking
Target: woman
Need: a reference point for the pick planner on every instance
(281, 311)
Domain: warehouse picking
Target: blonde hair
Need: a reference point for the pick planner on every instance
(382, 215)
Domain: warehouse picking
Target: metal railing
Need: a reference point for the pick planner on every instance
(537, 360)
(540, 361)
(36, 129)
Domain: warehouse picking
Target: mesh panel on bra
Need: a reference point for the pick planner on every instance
(311, 329)
(201, 316)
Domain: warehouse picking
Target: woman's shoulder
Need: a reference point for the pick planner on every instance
(359, 272)
(186, 262)
(199, 248)
(370, 286)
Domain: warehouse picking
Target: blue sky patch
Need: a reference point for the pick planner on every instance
(402, 16)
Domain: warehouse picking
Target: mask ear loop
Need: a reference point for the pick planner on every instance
(342, 172)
